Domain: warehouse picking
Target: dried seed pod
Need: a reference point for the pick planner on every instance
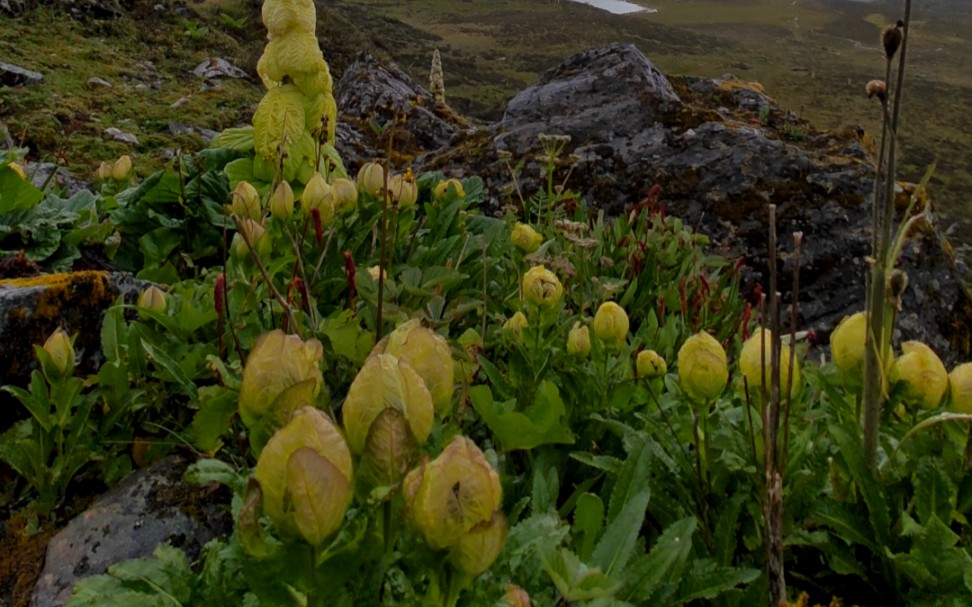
(891, 38)
(877, 88)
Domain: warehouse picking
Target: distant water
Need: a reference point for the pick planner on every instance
(618, 7)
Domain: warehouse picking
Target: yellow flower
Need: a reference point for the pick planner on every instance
(121, 168)
(305, 475)
(246, 202)
(448, 497)
(281, 373)
(429, 354)
(579, 340)
(752, 370)
(385, 382)
(516, 324)
(255, 233)
(152, 298)
(443, 188)
(403, 190)
(922, 373)
(345, 195)
(650, 364)
(611, 324)
(960, 389)
(371, 178)
(60, 352)
(319, 194)
(282, 201)
(702, 369)
(847, 349)
(478, 548)
(541, 287)
(526, 238)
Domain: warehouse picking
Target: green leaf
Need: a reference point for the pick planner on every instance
(574, 580)
(847, 525)
(706, 580)
(114, 332)
(663, 565)
(348, 539)
(933, 492)
(853, 455)
(213, 420)
(237, 139)
(543, 422)
(16, 193)
(617, 544)
(633, 477)
(170, 365)
(215, 471)
(588, 519)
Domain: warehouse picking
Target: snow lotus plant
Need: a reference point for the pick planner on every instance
(305, 476)
(429, 354)
(454, 503)
(282, 373)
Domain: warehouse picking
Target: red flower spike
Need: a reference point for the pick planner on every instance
(318, 227)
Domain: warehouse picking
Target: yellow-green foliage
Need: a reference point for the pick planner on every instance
(299, 101)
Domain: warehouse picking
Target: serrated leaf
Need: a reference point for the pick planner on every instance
(706, 580)
(215, 471)
(237, 139)
(169, 364)
(633, 476)
(588, 518)
(933, 492)
(853, 455)
(617, 544)
(663, 564)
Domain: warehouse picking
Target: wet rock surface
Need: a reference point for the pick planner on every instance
(151, 506)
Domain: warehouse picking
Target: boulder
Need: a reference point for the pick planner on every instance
(14, 75)
(149, 507)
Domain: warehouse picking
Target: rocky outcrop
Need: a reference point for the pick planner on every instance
(151, 506)
(14, 75)
(722, 151)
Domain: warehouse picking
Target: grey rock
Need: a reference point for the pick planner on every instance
(178, 128)
(215, 68)
(181, 101)
(40, 175)
(147, 508)
(12, 7)
(14, 75)
(96, 82)
(119, 135)
(370, 92)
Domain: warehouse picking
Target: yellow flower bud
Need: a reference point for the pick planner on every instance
(650, 364)
(282, 201)
(922, 373)
(403, 190)
(429, 354)
(611, 324)
(541, 287)
(121, 168)
(526, 238)
(516, 596)
(478, 548)
(319, 194)
(752, 370)
(579, 340)
(516, 324)
(246, 202)
(375, 272)
(255, 233)
(282, 372)
(847, 349)
(305, 475)
(104, 171)
(152, 298)
(16, 168)
(702, 368)
(960, 389)
(443, 188)
(448, 497)
(60, 352)
(385, 382)
(371, 178)
(345, 195)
